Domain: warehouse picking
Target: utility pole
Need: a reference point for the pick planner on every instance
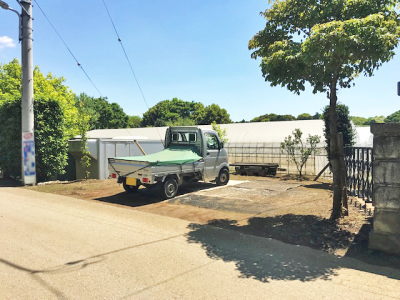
(27, 113)
(28, 161)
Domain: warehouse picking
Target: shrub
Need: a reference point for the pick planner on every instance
(50, 140)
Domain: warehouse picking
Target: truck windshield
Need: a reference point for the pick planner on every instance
(182, 137)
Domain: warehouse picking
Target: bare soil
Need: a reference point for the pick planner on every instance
(295, 212)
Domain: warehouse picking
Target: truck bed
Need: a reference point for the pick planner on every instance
(176, 159)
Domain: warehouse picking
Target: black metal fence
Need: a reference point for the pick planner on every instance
(359, 172)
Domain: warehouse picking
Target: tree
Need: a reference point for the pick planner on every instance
(134, 121)
(273, 117)
(358, 121)
(172, 111)
(180, 112)
(393, 118)
(326, 43)
(376, 119)
(214, 114)
(103, 115)
(46, 87)
(361, 121)
(304, 116)
(298, 150)
(317, 116)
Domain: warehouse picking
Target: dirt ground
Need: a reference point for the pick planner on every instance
(295, 212)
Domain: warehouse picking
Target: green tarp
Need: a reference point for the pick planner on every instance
(170, 156)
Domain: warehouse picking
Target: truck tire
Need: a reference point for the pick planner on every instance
(130, 188)
(169, 188)
(271, 171)
(223, 177)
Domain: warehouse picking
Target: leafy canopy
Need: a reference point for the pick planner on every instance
(134, 121)
(325, 41)
(361, 121)
(46, 88)
(180, 112)
(102, 114)
(393, 118)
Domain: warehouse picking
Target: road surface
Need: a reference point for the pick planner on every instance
(53, 247)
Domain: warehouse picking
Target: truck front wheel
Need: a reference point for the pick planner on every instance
(169, 188)
(223, 177)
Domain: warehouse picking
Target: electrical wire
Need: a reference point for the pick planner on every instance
(68, 48)
(129, 61)
(125, 54)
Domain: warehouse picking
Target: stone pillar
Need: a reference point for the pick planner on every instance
(386, 195)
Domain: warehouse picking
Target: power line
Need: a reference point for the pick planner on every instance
(67, 47)
(129, 61)
(126, 55)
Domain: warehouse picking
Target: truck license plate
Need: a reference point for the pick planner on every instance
(131, 181)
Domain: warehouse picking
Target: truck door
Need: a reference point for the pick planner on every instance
(211, 155)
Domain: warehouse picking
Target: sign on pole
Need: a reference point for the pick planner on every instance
(29, 164)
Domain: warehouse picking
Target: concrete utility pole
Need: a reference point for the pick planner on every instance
(28, 168)
(27, 114)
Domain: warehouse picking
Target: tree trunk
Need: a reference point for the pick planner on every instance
(336, 158)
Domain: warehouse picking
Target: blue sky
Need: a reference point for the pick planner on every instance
(190, 49)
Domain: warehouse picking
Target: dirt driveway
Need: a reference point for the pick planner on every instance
(290, 211)
(243, 198)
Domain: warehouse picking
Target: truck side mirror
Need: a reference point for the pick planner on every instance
(221, 145)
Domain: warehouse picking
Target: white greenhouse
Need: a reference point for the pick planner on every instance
(247, 143)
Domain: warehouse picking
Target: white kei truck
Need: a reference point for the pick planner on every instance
(190, 154)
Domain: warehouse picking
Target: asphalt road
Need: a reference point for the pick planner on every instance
(60, 247)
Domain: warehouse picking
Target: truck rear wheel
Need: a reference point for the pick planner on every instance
(169, 188)
(223, 177)
(130, 188)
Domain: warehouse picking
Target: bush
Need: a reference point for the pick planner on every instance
(298, 150)
(51, 142)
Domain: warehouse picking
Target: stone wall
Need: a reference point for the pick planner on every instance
(386, 195)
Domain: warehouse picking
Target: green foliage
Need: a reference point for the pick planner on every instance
(171, 111)
(221, 132)
(103, 115)
(50, 139)
(304, 116)
(317, 116)
(321, 42)
(181, 122)
(343, 125)
(180, 112)
(134, 121)
(85, 113)
(393, 118)
(361, 121)
(10, 138)
(214, 114)
(46, 87)
(298, 150)
(273, 117)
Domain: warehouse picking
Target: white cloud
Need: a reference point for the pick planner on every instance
(6, 42)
